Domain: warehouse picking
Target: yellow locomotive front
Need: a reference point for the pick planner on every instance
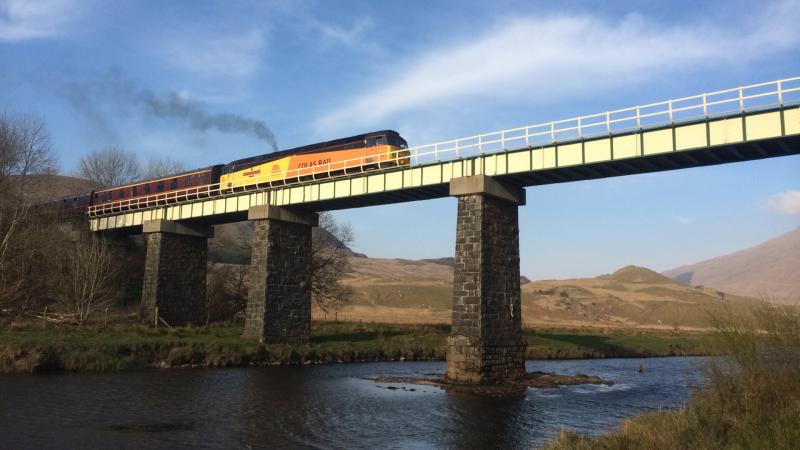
(373, 151)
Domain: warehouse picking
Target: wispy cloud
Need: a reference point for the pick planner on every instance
(562, 56)
(785, 202)
(682, 220)
(352, 35)
(231, 55)
(22, 20)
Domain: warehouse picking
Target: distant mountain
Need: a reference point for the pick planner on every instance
(770, 270)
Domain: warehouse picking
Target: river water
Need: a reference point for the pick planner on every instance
(326, 406)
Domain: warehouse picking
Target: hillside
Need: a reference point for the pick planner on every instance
(768, 270)
(403, 291)
(44, 188)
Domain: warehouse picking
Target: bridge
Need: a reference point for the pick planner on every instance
(487, 173)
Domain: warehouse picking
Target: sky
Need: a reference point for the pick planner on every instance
(210, 82)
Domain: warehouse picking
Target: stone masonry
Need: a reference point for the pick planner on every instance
(279, 299)
(486, 345)
(175, 273)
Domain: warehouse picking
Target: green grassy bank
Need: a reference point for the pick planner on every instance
(26, 349)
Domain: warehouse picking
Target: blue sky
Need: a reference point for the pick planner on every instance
(432, 71)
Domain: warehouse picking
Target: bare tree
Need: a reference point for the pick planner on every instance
(25, 151)
(162, 167)
(113, 166)
(89, 268)
(329, 263)
(226, 291)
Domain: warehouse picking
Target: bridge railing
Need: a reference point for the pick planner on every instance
(702, 106)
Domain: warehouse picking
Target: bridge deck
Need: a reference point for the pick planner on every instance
(746, 135)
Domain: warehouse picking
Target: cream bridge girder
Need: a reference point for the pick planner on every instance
(744, 136)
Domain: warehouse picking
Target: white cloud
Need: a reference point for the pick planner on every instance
(35, 19)
(785, 202)
(219, 55)
(562, 56)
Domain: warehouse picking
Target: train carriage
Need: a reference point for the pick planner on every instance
(182, 186)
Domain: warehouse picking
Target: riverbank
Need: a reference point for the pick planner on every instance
(751, 398)
(29, 348)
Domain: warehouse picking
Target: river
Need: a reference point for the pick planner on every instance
(325, 406)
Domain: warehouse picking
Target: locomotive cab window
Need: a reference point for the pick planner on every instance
(369, 142)
(381, 140)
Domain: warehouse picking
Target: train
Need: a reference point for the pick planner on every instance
(364, 152)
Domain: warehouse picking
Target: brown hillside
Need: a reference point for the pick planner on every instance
(770, 269)
(404, 291)
(44, 188)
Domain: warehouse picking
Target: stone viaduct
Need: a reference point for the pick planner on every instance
(486, 344)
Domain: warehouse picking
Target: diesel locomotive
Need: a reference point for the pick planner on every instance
(354, 154)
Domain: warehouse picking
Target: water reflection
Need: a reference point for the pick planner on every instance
(333, 406)
(484, 422)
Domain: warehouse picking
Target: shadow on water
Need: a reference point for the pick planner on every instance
(154, 427)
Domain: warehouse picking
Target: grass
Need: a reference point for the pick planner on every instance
(751, 399)
(593, 343)
(29, 348)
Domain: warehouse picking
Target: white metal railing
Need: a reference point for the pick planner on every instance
(712, 104)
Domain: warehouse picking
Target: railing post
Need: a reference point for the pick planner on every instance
(552, 132)
(780, 93)
(638, 118)
(741, 99)
(580, 127)
(705, 105)
(608, 122)
(669, 106)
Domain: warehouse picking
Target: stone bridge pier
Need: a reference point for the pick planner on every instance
(486, 345)
(279, 298)
(175, 272)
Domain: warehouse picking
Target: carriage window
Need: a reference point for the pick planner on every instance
(173, 183)
(133, 194)
(147, 188)
(160, 186)
(122, 193)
